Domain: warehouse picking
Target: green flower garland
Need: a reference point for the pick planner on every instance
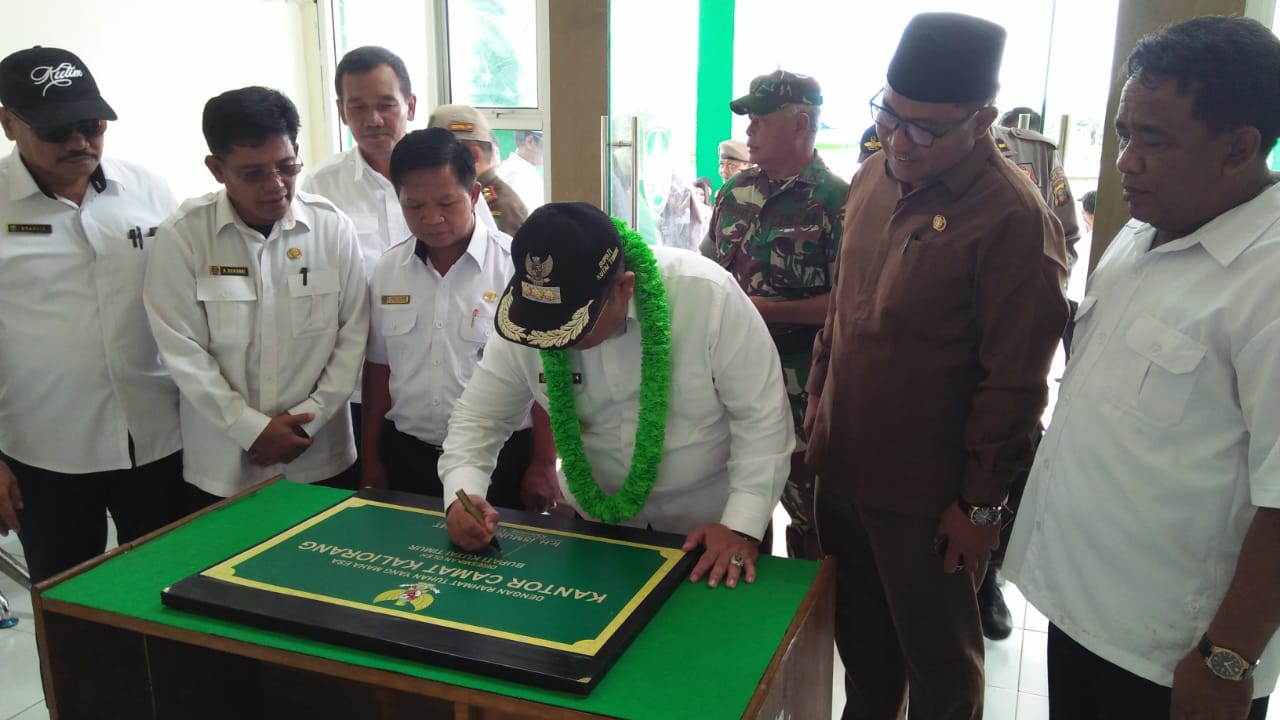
(655, 386)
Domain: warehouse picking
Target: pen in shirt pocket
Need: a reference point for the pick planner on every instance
(474, 314)
(907, 244)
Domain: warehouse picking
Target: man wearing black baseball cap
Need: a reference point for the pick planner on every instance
(665, 412)
(929, 376)
(88, 417)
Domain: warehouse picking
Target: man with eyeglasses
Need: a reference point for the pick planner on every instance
(775, 228)
(929, 375)
(88, 417)
(258, 299)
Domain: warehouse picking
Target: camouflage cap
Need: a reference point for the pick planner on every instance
(735, 150)
(463, 121)
(770, 92)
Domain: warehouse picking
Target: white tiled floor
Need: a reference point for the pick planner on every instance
(1016, 675)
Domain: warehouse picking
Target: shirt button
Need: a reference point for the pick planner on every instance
(439, 325)
(436, 401)
(436, 363)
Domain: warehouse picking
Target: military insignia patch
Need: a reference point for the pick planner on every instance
(462, 127)
(939, 223)
(1058, 187)
(607, 261)
(1029, 171)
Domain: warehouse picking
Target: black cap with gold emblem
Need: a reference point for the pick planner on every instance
(567, 256)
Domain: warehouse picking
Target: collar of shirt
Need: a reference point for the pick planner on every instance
(225, 214)
(1226, 236)
(361, 169)
(24, 184)
(811, 174)
(476, 248)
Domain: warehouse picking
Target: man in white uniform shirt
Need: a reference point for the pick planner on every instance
(259, 305)
(520, 169)
(432, 305)
(376, 102)
(1150, 524)
(695, 439)
(88, 418)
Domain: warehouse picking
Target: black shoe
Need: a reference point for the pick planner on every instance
(997, 623)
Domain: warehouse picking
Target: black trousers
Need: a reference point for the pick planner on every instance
(1083, 686)
(64, 516)
(411, 467)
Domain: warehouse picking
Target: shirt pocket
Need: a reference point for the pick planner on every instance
(1160, 374)
(396, 327)
(477, 326)
(797, 254)
(313, 302)
(229, 304)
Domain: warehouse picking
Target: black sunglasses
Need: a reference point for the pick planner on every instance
(90, 129)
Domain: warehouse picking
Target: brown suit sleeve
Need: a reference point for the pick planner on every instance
(1020, 310)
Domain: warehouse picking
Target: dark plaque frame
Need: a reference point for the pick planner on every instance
(460, 649)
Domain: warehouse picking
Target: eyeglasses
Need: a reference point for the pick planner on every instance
(89, 129)
(890, 122)
(257, 175)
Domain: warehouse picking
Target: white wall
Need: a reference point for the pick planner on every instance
(158, 61)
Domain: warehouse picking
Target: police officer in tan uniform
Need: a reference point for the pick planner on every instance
(734, 158)
(469, 126)
(1037, 157)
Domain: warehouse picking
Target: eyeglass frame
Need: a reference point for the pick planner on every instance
(259, 175)
(59, 134)
(932, 136)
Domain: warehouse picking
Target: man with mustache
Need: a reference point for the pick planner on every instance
(88, 417)
(1149, 528)
(259, 304)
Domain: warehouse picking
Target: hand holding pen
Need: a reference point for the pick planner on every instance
(472, 524)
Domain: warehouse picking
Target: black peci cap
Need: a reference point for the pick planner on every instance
(948, 58)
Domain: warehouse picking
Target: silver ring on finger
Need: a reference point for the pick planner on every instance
(737, 561)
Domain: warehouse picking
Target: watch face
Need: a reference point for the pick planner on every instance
(985, 515)
(1226, 665)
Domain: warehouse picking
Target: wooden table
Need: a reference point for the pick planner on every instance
(109, 649)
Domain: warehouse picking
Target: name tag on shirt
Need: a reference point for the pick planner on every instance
(228, 270)
(577, 378)
(30, 229)
(395, 299)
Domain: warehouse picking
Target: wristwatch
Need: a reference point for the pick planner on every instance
(981, 515)
(1226, 664)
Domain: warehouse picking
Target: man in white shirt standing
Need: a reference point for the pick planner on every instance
(259, 305)
(520, 169)
(1149, 528)
(665, 411)
(376, 102)
(88, 417)
(432, 299)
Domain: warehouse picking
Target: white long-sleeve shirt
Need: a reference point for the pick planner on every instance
(79, 371)
(729, 433)
(251, 327)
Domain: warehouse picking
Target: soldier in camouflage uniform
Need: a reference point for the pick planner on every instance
(776, 228)
(471, 128)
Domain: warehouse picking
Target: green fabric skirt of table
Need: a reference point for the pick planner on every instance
(701, 655)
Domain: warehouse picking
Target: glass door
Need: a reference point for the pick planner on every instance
(647, 170)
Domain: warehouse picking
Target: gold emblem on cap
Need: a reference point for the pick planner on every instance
(539, 269)
(939, 223)
(462, 126)
(294, 253)
(491, 296)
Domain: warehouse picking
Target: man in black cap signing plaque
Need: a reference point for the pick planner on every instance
(666, 413)
(929, 375)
